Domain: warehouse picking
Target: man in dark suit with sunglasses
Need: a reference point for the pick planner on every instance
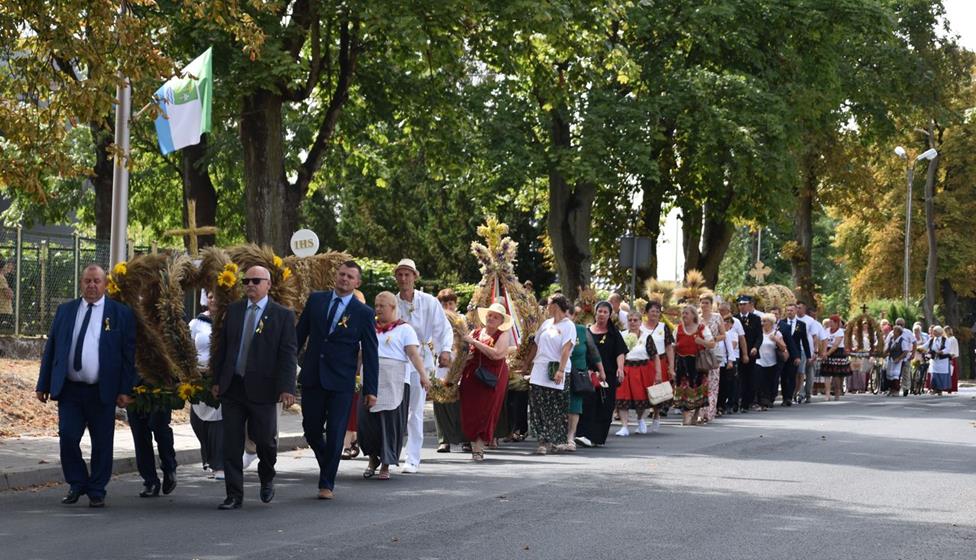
(254, 369)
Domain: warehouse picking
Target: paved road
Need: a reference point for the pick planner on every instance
(866, 478)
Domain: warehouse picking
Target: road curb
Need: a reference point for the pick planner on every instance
(51, 473)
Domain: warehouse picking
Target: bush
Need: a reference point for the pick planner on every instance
(891, 309)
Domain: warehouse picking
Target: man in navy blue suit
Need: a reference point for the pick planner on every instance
(337, 328)
(795, 336)
(88, 367)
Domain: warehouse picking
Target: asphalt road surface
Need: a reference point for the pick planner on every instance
(866, 477)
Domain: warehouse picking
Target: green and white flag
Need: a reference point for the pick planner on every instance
(185, 101)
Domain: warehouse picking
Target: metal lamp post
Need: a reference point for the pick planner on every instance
(927, 155)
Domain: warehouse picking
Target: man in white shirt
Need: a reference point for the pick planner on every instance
(88, 367)
(808, 363)
(424, 313)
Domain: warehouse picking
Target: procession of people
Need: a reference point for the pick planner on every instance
(366, 370)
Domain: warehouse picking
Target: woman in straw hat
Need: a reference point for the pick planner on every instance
(485, 377)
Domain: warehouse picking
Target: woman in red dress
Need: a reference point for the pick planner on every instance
(480, 402)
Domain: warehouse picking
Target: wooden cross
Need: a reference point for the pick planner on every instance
(760, 272)
(864, 309)
(192, 231)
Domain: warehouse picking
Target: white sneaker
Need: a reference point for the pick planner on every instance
(584, 441)
(248, 459)
(641, 426)
(655, 425)
(623, 432)
(218, 475)
(410, 469)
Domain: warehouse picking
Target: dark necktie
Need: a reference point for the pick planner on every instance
(80, 343)
(249, 326)
(332, 311)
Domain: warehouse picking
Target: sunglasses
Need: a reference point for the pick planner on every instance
(254, 281)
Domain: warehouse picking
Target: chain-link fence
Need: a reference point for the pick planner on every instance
(39, 273)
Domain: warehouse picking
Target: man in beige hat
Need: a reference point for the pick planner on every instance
(424, 313)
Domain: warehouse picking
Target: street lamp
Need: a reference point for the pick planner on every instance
(903, 154)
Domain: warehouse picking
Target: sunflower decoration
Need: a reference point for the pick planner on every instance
(228, 278)
(118, 272)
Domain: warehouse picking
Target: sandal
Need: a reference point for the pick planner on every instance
(384, 475)
(371, 470)
(351, 452)
(477, 456)
(444, 448)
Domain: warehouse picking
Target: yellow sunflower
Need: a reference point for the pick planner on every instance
(112, 286)
(120, 269)
(226, 279)
(277, 261)
(286, 274)
(231, 267)
(185, 391)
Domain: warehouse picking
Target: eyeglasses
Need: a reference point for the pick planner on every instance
(254, 281)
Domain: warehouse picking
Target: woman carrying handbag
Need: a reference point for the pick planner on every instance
(693, 344)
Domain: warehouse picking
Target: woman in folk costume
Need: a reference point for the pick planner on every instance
(691, 385)
(897, 350)
(939, 357)
(663, 338)
(837, 365)
(548, 398)
(382, 428)
(485, 378)
(640, 365)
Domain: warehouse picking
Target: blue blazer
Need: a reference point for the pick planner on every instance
(116, 351)
(796, 341)
(331, 360)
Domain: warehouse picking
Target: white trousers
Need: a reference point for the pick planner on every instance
(415, 419)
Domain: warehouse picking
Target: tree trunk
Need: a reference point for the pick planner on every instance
(801, 262)
(654, 191)
(933, 257)
(198, 186)
(691, 232)
(103, 135)
(266, 189)
(570, 209)
(651, 204)
(716, 237)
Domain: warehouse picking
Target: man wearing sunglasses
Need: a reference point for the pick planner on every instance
(254, 366)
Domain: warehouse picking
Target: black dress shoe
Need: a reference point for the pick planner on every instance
(267, 492)
(151, 490)
(169, 482)
(231, 503)
(71, 497)
(96, 502)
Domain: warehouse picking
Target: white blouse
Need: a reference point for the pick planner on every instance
(393, 345)
(767, 350)
(549, 340)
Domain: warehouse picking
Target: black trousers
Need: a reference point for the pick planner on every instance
(768, 383)
(211, 438)
(262, 426)
(788, 380)
(728, 387)
(518, 411)
(146, 427)
(747, 384)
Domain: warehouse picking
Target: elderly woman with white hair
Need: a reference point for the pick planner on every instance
(768, 362)
(382, 427)
(939, 357)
